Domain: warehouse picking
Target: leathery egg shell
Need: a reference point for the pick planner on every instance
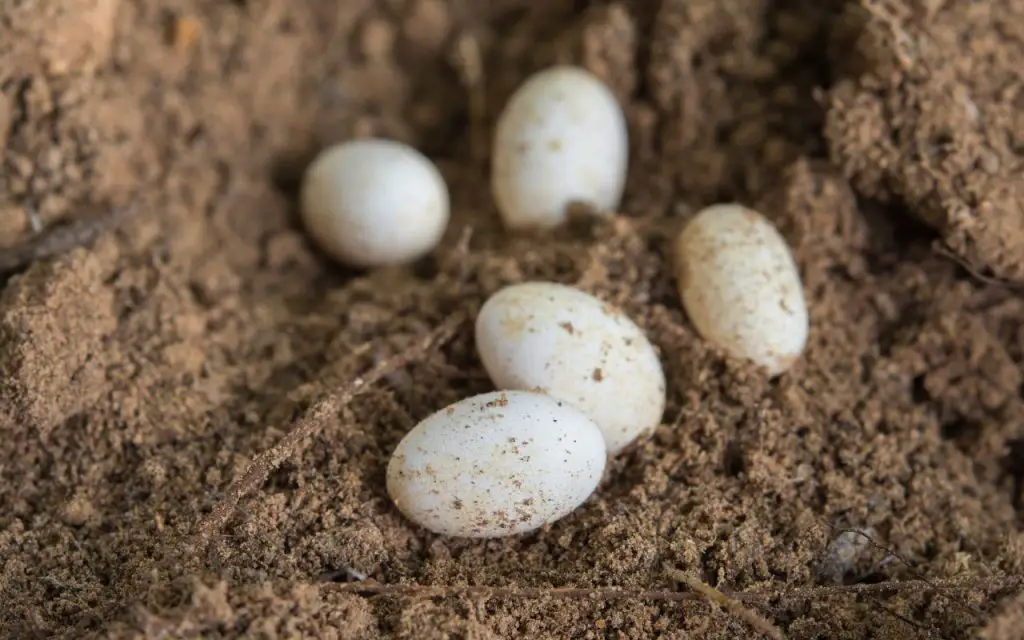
(374, 202)
(496, 464)
(561, 138)
(567, 343)
(741, 287)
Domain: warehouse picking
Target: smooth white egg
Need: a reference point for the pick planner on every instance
(569, 344)
(741, 287)
(496, 464)
(375, 202)
(561, 139)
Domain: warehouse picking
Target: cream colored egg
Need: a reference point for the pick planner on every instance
(496, 464)
(370, 203)
(561, 139)
(741, 287)
(571, 345)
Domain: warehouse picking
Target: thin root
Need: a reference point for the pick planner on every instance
(974, 271)
(907, 564)
(374, 588)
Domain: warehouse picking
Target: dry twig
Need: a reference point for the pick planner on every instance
(312, 421)
(63, 238)
(731, 605)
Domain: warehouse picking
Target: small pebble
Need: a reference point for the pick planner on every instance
(843, 554)
(496, 464)
(561, 139)
(374, 202)
(741, 287)
(567, 343)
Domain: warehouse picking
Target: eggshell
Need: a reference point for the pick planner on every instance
(567, 343)
(496, 464)
(561, 138)
(375, 202)
(741, 287)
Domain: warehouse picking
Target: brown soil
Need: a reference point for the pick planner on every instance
(144, 371)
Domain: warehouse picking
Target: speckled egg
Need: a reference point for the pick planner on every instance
(567, 343)
(496, 464)
(561, 139)
(741, 287)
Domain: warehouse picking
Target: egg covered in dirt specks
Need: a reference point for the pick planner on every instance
(561, 138)
(567, 343)
(741, 287)
(496, 464)
(375, 202)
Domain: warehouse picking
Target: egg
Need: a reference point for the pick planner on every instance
(374, 202)
(741, 287)
(496, 464)
(560, 139)
(567, 343)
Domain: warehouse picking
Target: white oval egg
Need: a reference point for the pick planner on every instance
(496, 464)
(374, 202)
(567, 343)
(562, 138)
(741, 287)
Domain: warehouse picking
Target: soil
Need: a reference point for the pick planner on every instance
(873, 491)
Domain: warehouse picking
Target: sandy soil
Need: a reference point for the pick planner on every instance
(150, 371)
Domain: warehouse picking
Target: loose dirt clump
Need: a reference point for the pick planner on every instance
(925, 113)
(152, 376)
